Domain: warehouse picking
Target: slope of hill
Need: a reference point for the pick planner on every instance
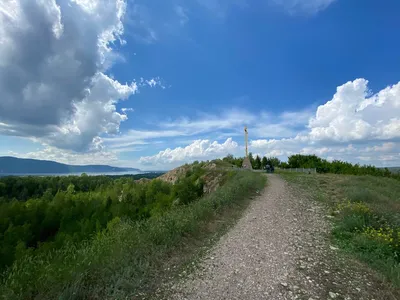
(14, 165)
(102, 231)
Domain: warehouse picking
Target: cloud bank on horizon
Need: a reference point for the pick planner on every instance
(67, 92)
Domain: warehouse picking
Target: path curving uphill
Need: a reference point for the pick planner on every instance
(279, 249)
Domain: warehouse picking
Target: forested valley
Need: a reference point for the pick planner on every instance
(38, 214)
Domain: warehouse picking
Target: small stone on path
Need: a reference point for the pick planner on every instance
(332, 295)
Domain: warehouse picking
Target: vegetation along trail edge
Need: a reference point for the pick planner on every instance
(279, 249)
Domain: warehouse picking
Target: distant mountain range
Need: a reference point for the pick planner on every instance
(14, 165)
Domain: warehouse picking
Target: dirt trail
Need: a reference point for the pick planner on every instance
(279, 249)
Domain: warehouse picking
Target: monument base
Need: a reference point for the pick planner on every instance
(247, 164)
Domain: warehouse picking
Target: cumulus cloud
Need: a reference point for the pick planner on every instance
(53, 59)
(354, 114)
(277, 147)
(351, 126)
(198, 150)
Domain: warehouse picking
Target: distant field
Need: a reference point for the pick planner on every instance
(366, 213)
(394, 169)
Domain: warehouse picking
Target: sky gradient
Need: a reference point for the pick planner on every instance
(154, 84)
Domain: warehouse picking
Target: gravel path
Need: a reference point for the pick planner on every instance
(279, 249)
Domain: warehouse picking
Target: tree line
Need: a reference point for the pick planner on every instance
(313, 161)
(335, 166)
(23, 188)
(257, 162)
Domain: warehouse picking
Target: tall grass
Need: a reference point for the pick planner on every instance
(127, 258)
(367, 216)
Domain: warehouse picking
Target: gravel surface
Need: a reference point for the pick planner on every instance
(279, 249)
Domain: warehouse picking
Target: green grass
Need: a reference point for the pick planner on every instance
(129, 258)
(366, 212)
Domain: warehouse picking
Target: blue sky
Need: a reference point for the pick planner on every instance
(154, 84)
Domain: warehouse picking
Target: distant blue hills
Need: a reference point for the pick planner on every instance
(14, 165)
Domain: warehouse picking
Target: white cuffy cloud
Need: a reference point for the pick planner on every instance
(354, 114)
(53, 59)
(198, 150)
(352, 125)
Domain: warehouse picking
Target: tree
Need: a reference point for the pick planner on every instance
(239, 162)
(2, 189)
(264, 162)
(274, 161)
(71, 189)
(187, 191)
(257, 163)
(284, 165)
(229, 158)
(304, 161)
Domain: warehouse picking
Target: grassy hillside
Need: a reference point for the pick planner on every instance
(129, 255)
(366, 213)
